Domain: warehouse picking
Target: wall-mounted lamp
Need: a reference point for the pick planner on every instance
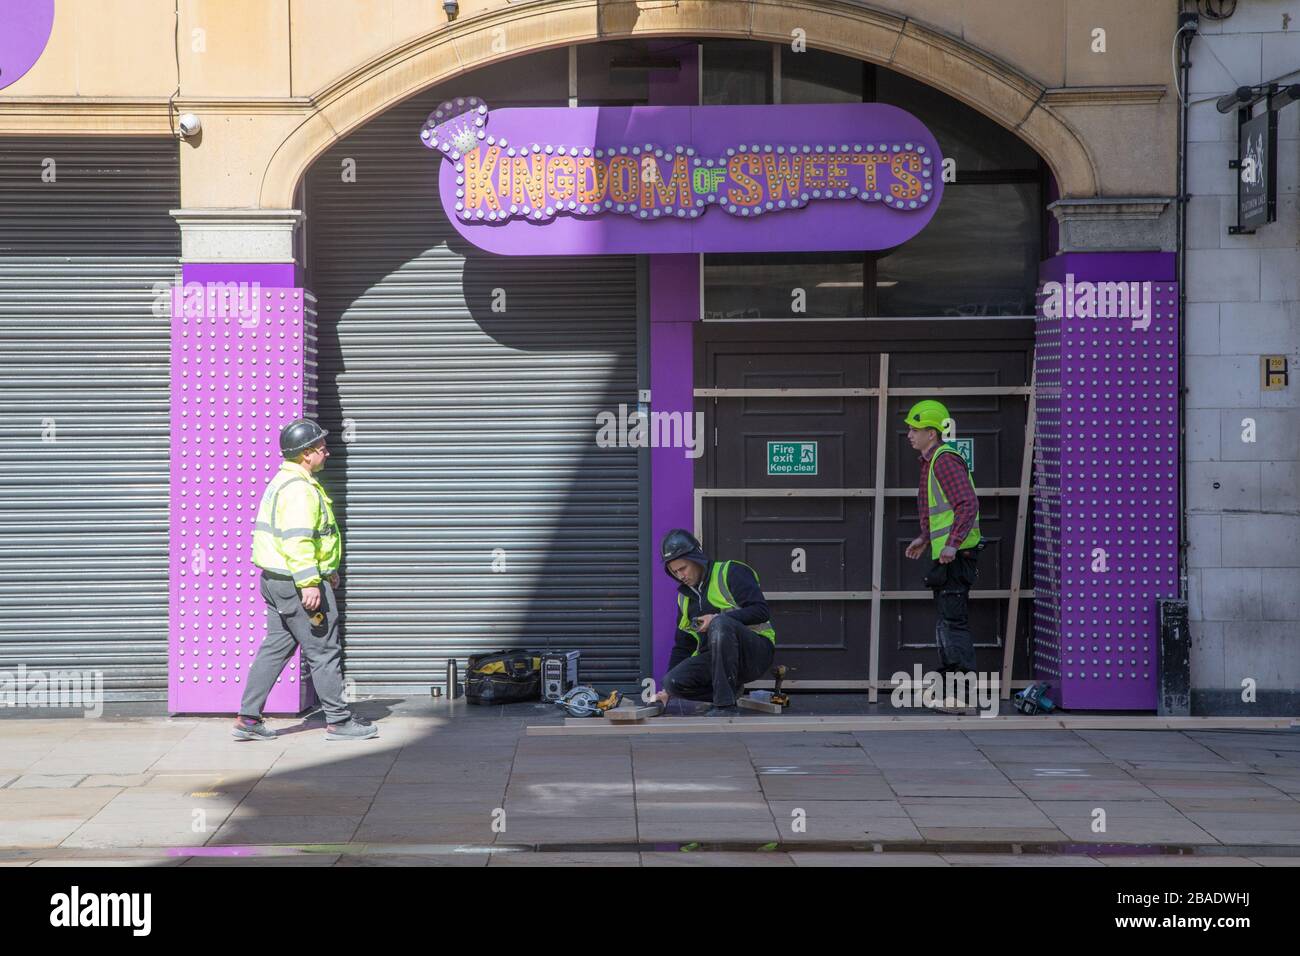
(1244, 96)
(451, 8)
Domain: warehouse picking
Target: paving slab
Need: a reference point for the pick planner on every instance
(47, 781)
(1018, 859)
(931, 782)
(1133, 821)
(42, 803)
(709, 858)
(166, 830)
(569, 806)
(96, 863)
(1050, 755)
(99, 758)
(116, 780)
(826, 787)
(995, 812)
(476, 830)
(805, 858)
(284, 830)
(47, 831)
(676, 830)
(552, 829)
(414, 860)
(1168, 860)
(305, 859)
(257, 757)
(557, 858)
(1084, 788)
(477, 817)
(984, 834)
(844, 821)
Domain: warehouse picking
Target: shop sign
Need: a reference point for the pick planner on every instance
(1256, 161)
(25, 27)
(610, 180)
(792, 458)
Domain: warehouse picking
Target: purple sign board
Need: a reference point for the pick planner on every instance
(25, 27)
(672, 179)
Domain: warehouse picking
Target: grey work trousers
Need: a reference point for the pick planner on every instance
(288, 625)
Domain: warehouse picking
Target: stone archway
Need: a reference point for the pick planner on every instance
(958, 69)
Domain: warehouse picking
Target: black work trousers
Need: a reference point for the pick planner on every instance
(951, 584)
(733, 656)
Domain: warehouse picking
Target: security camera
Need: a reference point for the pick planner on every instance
(190, 125)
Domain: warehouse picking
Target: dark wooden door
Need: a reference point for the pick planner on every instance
(805, 543)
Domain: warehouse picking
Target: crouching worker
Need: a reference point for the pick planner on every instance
(724, 630)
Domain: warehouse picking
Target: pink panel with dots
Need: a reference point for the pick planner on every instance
(1105, 486)
(237, 376)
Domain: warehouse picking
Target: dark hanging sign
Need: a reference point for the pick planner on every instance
(1256, 171)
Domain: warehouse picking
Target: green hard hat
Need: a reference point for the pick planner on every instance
(927, 414)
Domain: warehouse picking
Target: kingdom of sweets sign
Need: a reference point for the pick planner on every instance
(617, 180)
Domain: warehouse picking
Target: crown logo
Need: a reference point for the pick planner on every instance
(456, 125)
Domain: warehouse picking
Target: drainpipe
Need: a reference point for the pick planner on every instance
(1187, 24)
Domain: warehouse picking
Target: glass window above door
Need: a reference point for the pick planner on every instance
(979, 255)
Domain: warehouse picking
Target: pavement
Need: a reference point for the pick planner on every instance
(452, 784)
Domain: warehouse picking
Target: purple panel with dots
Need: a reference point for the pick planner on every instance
(239, 372)
(1106, 476)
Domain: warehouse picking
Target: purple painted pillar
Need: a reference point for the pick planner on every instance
(674, 309)
(674, 289)
(1106, 463)
(240, 338)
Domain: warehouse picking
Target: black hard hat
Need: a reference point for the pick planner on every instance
(299, 435)
(678, 543)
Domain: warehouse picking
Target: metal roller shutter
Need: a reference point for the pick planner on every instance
(85, 261)
(462, 392)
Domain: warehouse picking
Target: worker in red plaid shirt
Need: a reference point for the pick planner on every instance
(950, 526)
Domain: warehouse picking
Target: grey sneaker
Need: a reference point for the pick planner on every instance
(356, 728)
(246, 728)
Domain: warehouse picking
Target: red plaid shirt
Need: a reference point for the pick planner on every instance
(951, 472)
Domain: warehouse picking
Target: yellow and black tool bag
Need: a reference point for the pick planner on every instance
(504, 677)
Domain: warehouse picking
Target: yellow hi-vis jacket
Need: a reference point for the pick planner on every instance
(295, 532)
(941, 513)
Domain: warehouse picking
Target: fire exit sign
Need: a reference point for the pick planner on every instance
(967, 448)
(792, 458)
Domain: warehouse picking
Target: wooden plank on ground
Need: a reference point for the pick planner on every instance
(625, 713)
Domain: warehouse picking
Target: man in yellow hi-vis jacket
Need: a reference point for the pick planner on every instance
(296, 543)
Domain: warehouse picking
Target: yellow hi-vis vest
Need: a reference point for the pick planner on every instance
(940, 510)
(295, 532)
(719, 595)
